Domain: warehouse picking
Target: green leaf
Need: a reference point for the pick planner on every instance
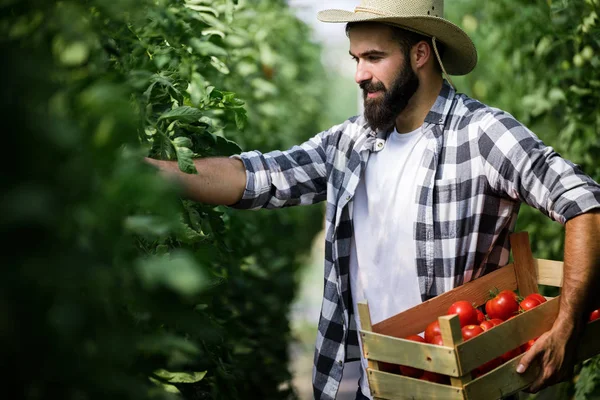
(183, 113)
(227, 147)
(185, 160)
(206, 48)
(165, 386)
(219, 65)
(241, 118)
(203, 9)
(179, 272)
(147, 225)
(180, 377)
(182, 141)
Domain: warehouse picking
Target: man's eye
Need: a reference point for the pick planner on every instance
(374, 58)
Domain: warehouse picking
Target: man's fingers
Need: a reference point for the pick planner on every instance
(528, 358)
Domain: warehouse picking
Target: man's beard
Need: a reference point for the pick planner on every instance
(381, 113)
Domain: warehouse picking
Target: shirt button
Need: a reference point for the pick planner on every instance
(379, 145)
(340, 362)
(348, 198)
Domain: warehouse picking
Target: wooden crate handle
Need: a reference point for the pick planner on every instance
(365, 324)
(525, 271)
(451, 336)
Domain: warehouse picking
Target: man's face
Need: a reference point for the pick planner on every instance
(383, 72)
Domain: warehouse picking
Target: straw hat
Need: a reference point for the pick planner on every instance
(422, 16)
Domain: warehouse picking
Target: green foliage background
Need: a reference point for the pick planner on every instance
(540, 61)
(122, 290)
(116, 288)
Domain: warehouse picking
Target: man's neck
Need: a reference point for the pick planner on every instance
(419, 105)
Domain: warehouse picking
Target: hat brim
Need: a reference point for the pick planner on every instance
(460, 55)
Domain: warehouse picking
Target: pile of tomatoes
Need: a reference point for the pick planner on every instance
(502, 306)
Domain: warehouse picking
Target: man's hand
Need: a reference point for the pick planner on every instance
(555, 352)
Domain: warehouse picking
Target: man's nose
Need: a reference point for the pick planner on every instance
(362, 73)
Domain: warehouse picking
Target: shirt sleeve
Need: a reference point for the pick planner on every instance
(285, 178)
(518, 164)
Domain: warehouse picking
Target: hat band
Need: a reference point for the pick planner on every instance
(368, 10)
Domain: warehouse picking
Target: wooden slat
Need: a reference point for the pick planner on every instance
(397, 387)
(549, 272)
(527, 280)
(504, 380)
(507, 336)
(501, 381)
(416, 319)
(365, 323)
(406, 352)
(452, 336)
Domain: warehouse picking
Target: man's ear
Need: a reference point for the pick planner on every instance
(421, 54)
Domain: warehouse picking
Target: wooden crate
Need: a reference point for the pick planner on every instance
(382, 341)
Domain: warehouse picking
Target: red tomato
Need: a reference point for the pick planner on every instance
(470, 331)
(437, 340)
(496, 321)
(433, 377)
(485, 325)
(536, 296)
(528, 303)
(480, 316)
(503, 306)
(467, 314)
(527, 346)
(594, 315)
(410, 371)
(509, 355)
(387, 367)
(487, 367)
(432, 330)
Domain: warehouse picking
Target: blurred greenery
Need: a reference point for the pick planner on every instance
(116, 288)
(540, 61)
(121, 289)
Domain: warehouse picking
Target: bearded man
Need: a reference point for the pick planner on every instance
(423, 189)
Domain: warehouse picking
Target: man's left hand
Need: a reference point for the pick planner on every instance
(555, 352)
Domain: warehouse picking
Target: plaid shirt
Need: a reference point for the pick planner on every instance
(480, 165)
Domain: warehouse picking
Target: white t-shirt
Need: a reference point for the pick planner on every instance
(382, 261)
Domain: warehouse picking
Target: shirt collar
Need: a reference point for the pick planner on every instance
(441, 108)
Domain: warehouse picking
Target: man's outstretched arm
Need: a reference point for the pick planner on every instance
(556, 349)
(220, 180)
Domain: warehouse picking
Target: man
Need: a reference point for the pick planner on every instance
(422, 190)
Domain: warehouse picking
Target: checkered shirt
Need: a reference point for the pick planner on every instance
(479, 166)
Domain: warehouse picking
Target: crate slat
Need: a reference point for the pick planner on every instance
(507, 336)
(549, 272)
(527, 280)
(406, 352)
(389, 386)
(501, 381)
(416, 319)
(452, 336)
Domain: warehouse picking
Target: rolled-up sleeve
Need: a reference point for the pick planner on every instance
(518, 164)
(285, 178)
